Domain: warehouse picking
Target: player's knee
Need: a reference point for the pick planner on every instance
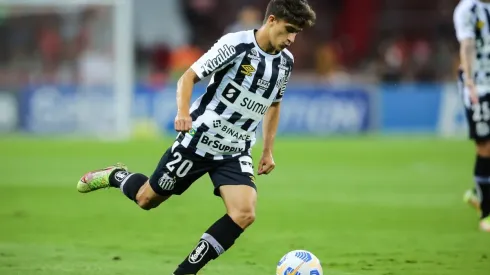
(483, 148)
(144, 202)
(244, 217)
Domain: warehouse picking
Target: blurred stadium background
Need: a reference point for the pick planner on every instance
(371, 152)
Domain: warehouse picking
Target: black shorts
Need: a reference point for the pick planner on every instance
(180, 167)
(478, 117)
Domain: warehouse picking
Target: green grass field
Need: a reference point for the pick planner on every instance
(364, 206)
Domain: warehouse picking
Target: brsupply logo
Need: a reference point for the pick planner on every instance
(218, 145)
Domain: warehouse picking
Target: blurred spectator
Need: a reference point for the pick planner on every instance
(394, 55)
(96, 61)
(329, 66)
(68, 43)
(183, 58)
(248, 18)
(203, 18)
(421, 54)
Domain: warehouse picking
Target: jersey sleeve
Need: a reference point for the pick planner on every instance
(222, 53)
(282, 87)
(463, 21)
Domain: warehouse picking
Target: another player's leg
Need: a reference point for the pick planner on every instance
(482, 179)
(240, 200)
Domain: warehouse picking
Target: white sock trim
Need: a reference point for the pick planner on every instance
(124, 182)
(210, 239)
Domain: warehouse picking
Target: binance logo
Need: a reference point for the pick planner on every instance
(480, 24)
(248, 70)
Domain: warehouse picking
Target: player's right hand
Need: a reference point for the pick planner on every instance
(183, 122)
(472, 90)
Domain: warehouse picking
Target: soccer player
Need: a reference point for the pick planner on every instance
(472, 24)
(250, 70)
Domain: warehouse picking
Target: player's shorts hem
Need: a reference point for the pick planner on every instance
(480, 139)
(157, 189)
(217, 186)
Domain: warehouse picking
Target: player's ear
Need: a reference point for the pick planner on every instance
(271, 19)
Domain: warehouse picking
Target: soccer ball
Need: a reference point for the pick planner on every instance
(299, 262)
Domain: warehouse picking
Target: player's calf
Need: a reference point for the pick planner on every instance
(482, 176)
(137, 188)
(147, 199)
(240, 203)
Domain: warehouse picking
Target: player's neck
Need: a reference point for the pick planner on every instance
(263, 41)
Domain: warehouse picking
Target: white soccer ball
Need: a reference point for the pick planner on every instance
(299, 262)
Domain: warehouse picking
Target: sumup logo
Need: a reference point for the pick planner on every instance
(224, 53)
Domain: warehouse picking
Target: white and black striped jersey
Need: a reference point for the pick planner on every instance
(472, 21)
(245, 82)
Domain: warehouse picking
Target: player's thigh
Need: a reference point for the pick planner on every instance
(234, 181)
(234, 172)
(178, 168)
(483, 147)
(239, 199)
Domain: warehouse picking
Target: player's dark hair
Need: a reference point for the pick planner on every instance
(296, 12)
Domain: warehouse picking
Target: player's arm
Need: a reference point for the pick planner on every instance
(269, 127)
(466, 54)
(183, 120)
(269, 130)
(215, 59)
(465, 34)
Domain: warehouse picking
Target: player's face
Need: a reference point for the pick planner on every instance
(282, 34)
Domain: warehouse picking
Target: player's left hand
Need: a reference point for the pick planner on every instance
(266, 164)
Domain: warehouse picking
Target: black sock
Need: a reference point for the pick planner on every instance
(117, 176)
(482, 178)
(131, 183)
(217, 239)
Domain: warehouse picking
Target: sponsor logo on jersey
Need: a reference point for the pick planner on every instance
(216, 123)
(480, 24)
(254, 106)
(281, 84)
(264, 84)
(235, 134)
(231, 94)
(283, 61)
(246, 164)
(283, 64)
(219, 146)
(245, 101)
(247, 70)
(224, 53)
(254, 55)
(198, 253)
